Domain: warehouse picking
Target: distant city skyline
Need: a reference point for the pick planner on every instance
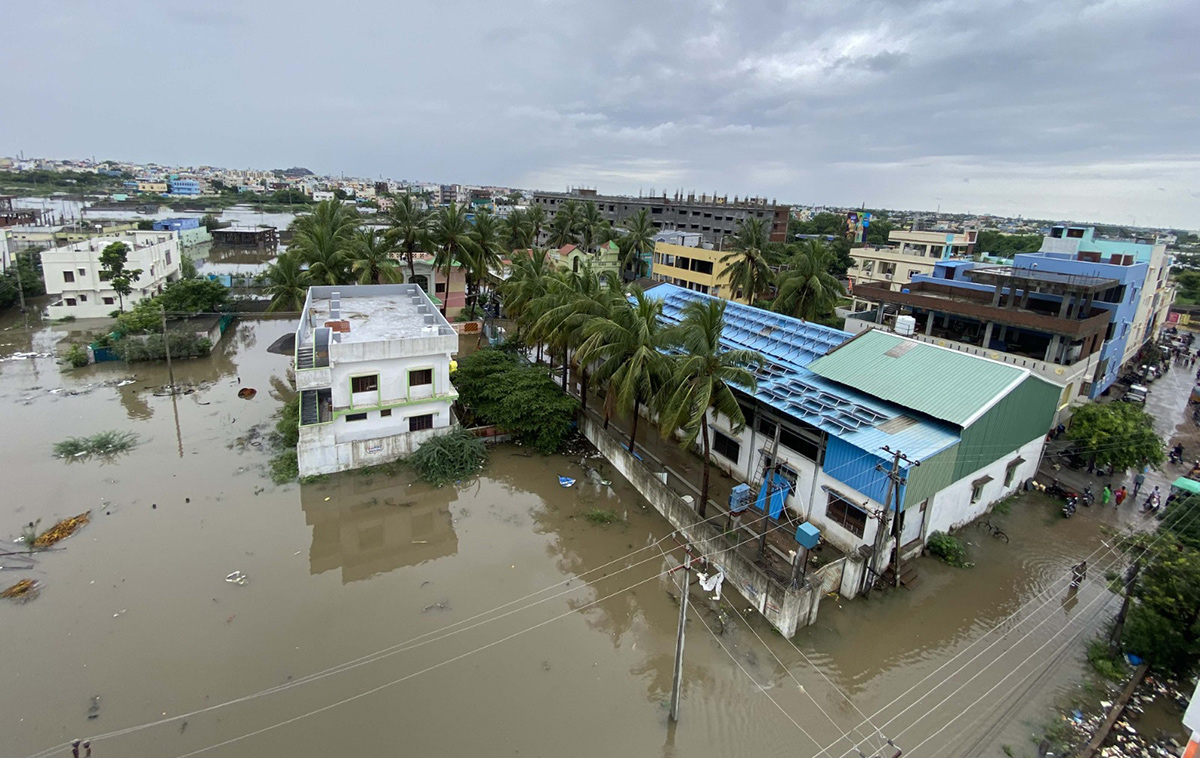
(1078, 110)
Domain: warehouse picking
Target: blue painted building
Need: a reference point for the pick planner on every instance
(175, 224)
(183, 186)
(834, 402)
(1076, 312)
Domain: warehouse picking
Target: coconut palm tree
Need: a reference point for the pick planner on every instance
(516, 231)
(591, 224)
(564, 227)
(806, 288)
(408, 225)
(288, 283)
(746, 268)
(627, 347)
(370, 255)
(485, 255)
(703, 379)
(574, 299)
(323, 247)
(526, 283)
(334, 215)
(637, 243)
(536, 216)
(450, 233)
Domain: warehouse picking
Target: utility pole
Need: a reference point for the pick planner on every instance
(683, 605)
(768, 482)
(1131, 575)
(167, 348)
(892, 499)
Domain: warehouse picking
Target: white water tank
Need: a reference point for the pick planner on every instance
(906, 326)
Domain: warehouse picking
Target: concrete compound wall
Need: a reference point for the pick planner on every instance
(786, 609)
(318, 452)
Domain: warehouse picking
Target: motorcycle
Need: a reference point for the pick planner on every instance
(1088, 497)
(1054, 489)
(1069, 507)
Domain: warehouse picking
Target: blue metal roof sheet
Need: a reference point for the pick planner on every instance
(786, 384)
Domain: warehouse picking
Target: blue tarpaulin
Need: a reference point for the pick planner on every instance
(778, 487)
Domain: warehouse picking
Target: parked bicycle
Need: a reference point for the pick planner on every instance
(996, 531)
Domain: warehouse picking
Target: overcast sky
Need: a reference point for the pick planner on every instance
(1061, 109)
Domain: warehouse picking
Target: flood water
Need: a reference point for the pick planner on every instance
(136, 608)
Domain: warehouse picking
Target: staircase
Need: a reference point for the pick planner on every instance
(304, 358)
(908, 576)
(309, 411)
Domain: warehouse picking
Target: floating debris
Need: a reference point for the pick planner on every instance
(566, 481)
(441, 606)
(62, 530)
(237, 577)
(23, 591)
(247, 393)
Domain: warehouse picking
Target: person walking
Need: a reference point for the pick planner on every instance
(1138, 481)
(1078, 574)
(1119, 496)
(1106, 495)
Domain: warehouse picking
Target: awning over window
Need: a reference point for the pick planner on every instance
(1016, 461)
(981, 481)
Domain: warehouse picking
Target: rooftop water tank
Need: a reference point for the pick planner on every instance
(906, 326)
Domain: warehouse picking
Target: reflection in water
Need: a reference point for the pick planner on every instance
(373, 525)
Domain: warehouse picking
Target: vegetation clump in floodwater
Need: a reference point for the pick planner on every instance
(449, 457)
(103, 445)
(949, 548)
(62, 530)
(601, 516)
(284, 466)
(22, 591)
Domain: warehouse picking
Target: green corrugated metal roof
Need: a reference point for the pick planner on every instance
(937, 381)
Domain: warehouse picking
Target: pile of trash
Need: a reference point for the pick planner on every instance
(62, 530)
(1124, 741)
(23, 591)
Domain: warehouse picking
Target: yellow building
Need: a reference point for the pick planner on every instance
(695, 268)
(158, 188)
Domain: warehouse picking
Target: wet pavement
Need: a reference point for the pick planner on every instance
(136, 609)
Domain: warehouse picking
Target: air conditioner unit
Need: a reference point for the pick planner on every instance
(888, 276)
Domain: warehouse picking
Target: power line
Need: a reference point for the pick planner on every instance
(1107, 548)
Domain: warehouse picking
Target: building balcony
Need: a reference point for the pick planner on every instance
(977, 304)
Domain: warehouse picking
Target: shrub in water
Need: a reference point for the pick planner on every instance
(449, 457)
(947, 547)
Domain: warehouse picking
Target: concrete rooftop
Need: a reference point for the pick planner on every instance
(378, 313)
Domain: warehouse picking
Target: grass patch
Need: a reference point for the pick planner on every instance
(1104, 663)
(1004, 507)
(390, 468)
(449, 457)
(285, 467)
(949, 548)
(601, 516)
(103, 445)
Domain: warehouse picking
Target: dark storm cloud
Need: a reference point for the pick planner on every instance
(1066, 109)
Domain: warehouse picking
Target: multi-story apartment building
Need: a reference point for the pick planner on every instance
(909, 254)
(177, 186)
(72, 273)
(154, 186)
(190, 231)
(1075, 312)
(373, 370)
(714, 218)
(698, 269)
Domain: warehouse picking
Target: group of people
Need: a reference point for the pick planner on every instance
(1119, 495)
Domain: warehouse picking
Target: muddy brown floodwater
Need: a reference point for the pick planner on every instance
(136, 610)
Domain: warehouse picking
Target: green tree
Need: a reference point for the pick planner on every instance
(450, 233)
(637, 243)
(515, 231)
(1120, 435)
(209, 221)
(1163, 625)
(591, 225)
(145, 317)
(499, 388)
(287, 284)
(24, 276)
(564, 228)
(370, 256)
(703, 378)
(536, 216)
(746, 269)
(114, 270)
(1006, 245)
(322, 239)
(806, 288)
(193, 296)
(408, 225)
(529, 280)
(628, 350)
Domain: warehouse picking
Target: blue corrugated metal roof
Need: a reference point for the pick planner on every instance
(786, 384)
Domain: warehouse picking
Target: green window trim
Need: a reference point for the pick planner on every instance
(378, 389)
(433, 379)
